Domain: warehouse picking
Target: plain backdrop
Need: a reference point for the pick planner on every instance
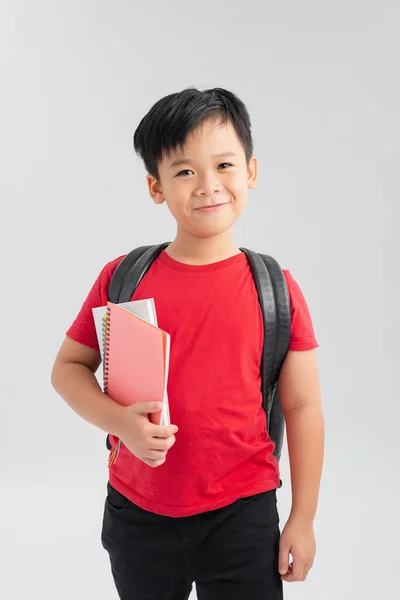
(321, 82)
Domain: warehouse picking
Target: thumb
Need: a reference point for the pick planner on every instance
(144, 408)
(283, 560)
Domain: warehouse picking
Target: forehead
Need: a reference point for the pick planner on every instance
(209, 137)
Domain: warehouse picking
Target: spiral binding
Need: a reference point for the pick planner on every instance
(106, 336)
(106, 333)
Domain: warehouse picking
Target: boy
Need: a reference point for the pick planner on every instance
(198, 504)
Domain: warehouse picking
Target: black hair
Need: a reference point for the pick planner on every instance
(167, 124)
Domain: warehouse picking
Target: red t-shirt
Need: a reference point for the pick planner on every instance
(222, 449)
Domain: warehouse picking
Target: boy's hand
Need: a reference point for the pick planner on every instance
(148, 442)
(298, 539)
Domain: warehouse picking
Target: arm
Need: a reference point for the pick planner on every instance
(73, 378)
(300, 396)
(299, 392)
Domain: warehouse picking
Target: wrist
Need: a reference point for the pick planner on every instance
(303, 515)
(116, 418)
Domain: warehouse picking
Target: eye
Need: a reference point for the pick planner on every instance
(189, 171)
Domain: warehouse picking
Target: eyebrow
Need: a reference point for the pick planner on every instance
(183, 161)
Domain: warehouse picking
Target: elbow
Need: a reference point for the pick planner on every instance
(54, 375)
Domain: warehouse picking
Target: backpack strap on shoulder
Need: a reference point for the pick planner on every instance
(276, 414)
(282, 308)
(130, 271)
(274, 301)
(127, 277)
(275, 307)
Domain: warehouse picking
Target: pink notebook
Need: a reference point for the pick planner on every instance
(136, 359)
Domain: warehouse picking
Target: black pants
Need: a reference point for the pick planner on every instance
(230, 553)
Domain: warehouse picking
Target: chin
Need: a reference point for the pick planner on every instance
(214, 229)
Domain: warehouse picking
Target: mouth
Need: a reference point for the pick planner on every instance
(213, 207)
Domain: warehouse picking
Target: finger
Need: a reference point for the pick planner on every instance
(154, 463)
(288, 573)
(283, 560)
(154, 454)
(298, 570)
(162, 431)
(288, 576)
(145, 408)
(161, 443)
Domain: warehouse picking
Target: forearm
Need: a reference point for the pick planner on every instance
(78, 386)
(305, 436)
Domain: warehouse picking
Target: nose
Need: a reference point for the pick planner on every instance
(208, 184)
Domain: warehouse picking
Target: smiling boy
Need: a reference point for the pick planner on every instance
(195, 502)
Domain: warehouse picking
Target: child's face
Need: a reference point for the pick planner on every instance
(213, 171)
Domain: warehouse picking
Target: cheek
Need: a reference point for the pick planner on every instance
(239, 191)
(177, 197)
(179, 190)
(238, 183)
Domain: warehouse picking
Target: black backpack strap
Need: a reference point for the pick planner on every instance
(127, 277)
(275, 306)
(282, 308)
(130, 271)
(276, 414)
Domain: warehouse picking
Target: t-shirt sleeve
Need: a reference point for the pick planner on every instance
(83, 329)
(301, 330)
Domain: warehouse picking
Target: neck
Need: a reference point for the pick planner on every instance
(200, 251)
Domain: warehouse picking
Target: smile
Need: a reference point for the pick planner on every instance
(213, 208)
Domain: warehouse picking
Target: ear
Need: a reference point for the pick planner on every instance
(155, 190)
(252, 172)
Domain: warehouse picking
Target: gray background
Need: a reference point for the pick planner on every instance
(321, 82)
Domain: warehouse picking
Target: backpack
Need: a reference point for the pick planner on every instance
(275, 306)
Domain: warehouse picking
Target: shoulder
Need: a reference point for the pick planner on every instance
(83, 328)
(288, 276)
(298, 303)
(294, 290)
(110, 267)
(99, 291)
